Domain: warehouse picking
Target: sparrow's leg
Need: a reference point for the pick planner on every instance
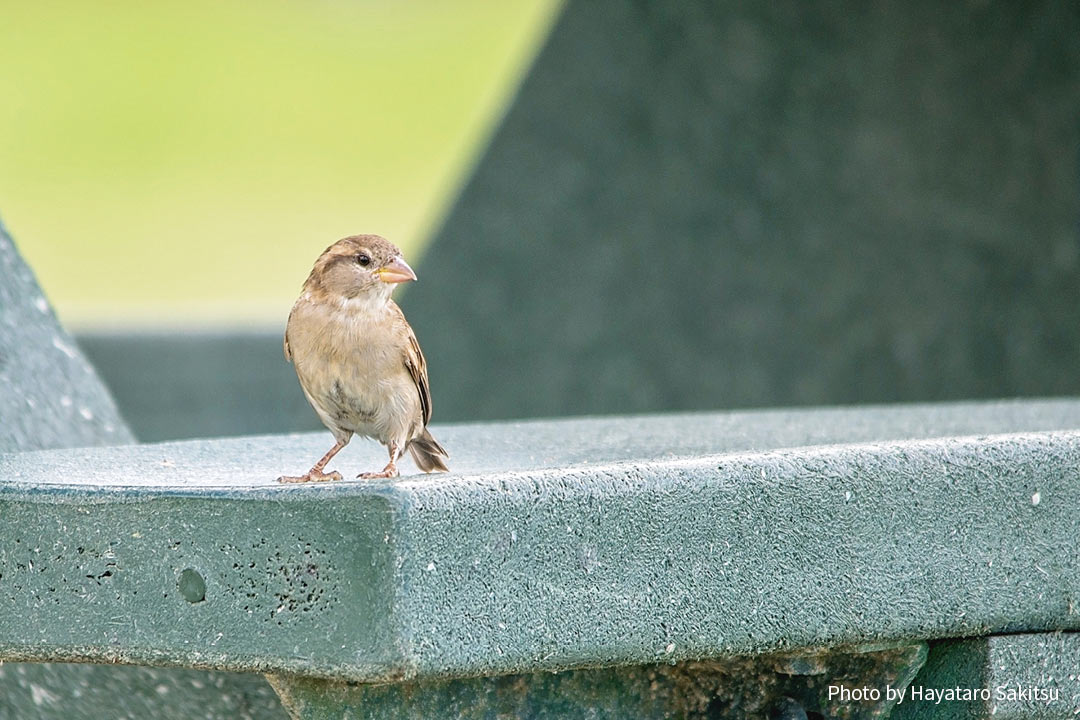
(390, 471)
(316, 474)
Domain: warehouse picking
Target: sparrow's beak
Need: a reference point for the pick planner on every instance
(397, 271)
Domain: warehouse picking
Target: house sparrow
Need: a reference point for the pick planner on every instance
(357, 358)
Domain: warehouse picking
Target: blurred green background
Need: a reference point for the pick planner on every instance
(182, 164)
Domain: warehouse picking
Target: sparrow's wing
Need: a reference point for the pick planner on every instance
(414, 361)
(417, 367)
(288, 350)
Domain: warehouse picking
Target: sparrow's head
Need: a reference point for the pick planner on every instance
(360, 265)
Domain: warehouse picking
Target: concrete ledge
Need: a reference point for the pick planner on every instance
(555, 544)
(772, 686)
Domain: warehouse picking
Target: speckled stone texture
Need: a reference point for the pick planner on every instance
(50, 397)
(1018, 671)
(704, 205)
(553, 545)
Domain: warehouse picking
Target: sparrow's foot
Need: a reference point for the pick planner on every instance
(312, 476)
(390, 471)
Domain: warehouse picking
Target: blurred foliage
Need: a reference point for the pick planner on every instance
(185, 162)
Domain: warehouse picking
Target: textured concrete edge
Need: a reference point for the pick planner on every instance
(731, 687)
(430, 488)
(1007, 471)
(598, 476)
(225, 662)
(301, 587)
(1057, 450)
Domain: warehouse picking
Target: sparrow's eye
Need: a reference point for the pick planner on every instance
(363, 259)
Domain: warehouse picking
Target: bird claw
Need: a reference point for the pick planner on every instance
(390, 471)
(312, 476)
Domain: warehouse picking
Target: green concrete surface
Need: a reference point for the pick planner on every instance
(553, 545)
(1020, 677)
(774, 686)
(50, 397)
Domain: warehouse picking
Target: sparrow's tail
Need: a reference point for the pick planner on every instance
(427, 453)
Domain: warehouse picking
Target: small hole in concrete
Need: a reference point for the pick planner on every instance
(192, 586)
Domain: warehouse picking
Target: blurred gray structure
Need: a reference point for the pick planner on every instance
(173, 385)
(715, 205)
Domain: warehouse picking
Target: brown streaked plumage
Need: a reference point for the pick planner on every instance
(358, 360)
